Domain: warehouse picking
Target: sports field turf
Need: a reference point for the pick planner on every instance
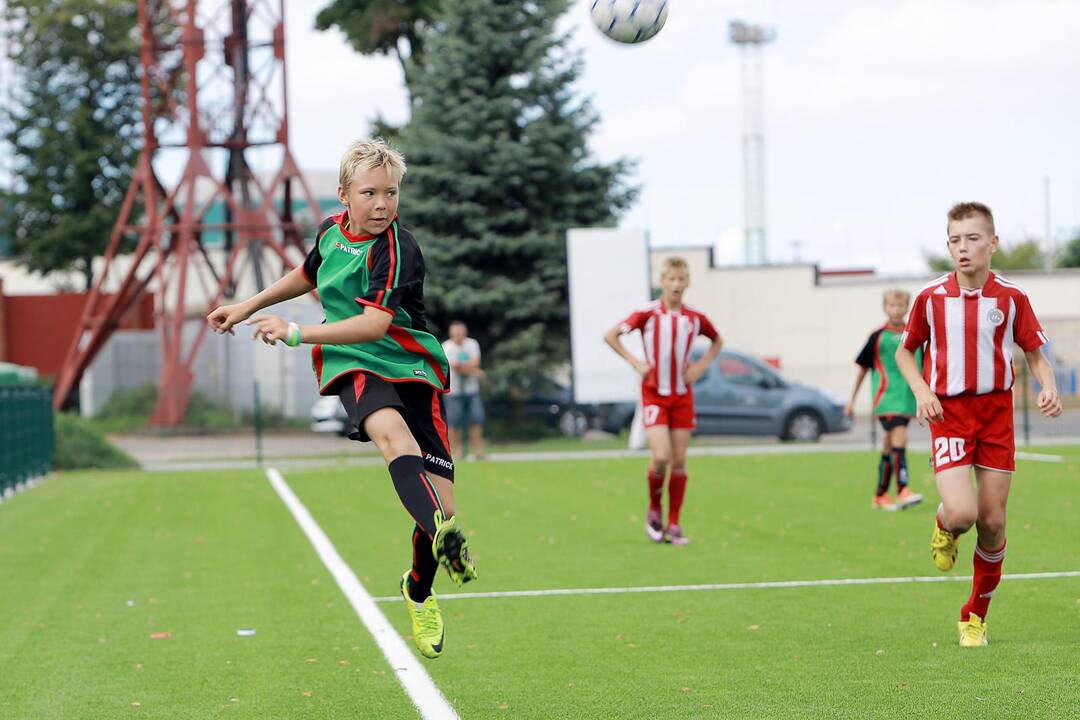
(96, 567)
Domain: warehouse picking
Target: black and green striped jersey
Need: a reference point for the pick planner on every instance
(892, 396)
(374, 273)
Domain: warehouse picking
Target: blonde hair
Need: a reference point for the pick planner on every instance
(962, 210)
(674, 264)
(368, 155)
(896, 293)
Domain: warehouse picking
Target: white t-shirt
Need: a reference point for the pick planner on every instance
(468, 350)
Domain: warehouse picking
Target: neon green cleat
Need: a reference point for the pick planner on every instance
(943, 547)
(972, 632)
(427, 624)
(451, 550)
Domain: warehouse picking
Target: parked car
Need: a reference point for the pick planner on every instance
(741, 395)
(546, 402)
(328, 415)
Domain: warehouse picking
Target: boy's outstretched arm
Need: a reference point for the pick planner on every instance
(849, 409)
(611, 337)
(1049, 403)
(293, 284)
(368, 326)
(928, 407)
(697, 369)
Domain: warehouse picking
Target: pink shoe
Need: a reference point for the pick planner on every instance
(675, 536)
(906, 498)
(654, 526)
(883, 502)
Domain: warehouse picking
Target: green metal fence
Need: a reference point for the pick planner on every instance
(26, 434)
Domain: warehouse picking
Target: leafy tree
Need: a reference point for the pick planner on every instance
(499, 169)
(380, 27)
(1024, 255)
(1071, 255)
(73, 128)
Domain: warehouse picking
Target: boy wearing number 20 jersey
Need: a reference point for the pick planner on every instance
(968, 322)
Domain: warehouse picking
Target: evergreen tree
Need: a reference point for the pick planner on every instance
(499, 170)
(73, 130)
(383, 27)
(380, 27)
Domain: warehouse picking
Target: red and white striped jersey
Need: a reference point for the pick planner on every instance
(668, 336)
(970, 334)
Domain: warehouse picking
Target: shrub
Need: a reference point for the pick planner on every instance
(79, 445)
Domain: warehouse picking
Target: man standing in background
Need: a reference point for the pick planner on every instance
(463, 404)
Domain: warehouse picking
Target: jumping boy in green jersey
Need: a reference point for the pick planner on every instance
(375, 352)
(894, 404)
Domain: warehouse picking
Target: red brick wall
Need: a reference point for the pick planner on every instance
(37, 330)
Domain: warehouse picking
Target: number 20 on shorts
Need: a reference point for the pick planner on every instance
(948, 450)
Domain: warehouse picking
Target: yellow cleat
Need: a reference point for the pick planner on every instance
(427, 624)
(972, 632)
(451, 550)
(943, 547)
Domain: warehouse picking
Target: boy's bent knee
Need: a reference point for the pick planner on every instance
(959, 520)
(394, 442)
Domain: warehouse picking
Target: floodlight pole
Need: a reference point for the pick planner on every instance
(750, 39)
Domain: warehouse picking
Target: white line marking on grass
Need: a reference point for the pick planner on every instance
(410, 673)
(1037, 457)
(738, 586)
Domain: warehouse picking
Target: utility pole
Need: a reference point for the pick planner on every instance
(1050, 255)
(750, 40)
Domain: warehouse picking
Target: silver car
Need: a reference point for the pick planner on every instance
(741, 395)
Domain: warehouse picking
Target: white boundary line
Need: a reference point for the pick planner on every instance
(1038, 457)
(737, 586)
(417, 684)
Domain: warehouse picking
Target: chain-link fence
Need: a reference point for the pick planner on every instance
(26, 435)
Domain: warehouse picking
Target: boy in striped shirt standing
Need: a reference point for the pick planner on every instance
(969, 321)
(668, 328)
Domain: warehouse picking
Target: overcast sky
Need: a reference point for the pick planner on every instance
(879, 114)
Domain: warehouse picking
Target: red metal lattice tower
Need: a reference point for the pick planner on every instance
(213, 88)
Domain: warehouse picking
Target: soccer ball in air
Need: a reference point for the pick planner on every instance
(629, 21)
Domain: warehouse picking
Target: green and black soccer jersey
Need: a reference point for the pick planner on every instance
(383, 272)
(892, 396)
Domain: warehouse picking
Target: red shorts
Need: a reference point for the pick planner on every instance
(977, 430)
(674, 411)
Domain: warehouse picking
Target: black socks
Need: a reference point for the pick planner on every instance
(900, 466)
(416, 491)
(423, 566)
(884, 474)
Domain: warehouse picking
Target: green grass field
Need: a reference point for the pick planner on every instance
(122, 594)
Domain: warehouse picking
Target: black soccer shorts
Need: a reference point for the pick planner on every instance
(420, 405)
(888, 422)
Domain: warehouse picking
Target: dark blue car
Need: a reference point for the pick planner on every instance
(740, 395)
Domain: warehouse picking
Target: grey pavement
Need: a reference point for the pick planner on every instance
(308, 449)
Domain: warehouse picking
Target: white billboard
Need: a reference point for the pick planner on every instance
(609, 277)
